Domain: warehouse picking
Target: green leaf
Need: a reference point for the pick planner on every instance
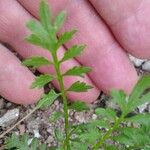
(34, 39)
(16, 142)
(143, 119)
(65, 37)
(48, 99)
(12, 142)
(36, 62)
(132, 137)
(79, 87)
(79, 146)
(106, 113)
(34, 144)
(59, 135)
(73, 52)
(43, 147)
(46, 40)
(119, 97)
(42, 80)
(90, 137)
(38, 30)
(59, 20)
(45, 14)
(45, 18)
(138, 90)
(77, 71)
(55, 116)
(100, 123)
(79, 106)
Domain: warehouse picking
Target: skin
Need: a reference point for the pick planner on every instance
(109, 28)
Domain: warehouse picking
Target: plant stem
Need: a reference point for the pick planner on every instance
(64, 97)
(108, 133)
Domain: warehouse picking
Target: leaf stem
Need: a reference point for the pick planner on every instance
(108, 133)
(64, 97)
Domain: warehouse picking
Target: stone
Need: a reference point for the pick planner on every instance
(94, 116)
(36, 133)
(10, 117)
(146, 66)
(136, 61)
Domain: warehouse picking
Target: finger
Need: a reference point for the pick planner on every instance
(15, 80)
(15, 17)
(111, 66)
(130, 21)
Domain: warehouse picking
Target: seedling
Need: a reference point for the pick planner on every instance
(44, 34)
(113, 129)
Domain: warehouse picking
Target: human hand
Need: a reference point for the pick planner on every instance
(124, 27)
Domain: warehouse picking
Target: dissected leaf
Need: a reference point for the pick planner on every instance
(90, 137)
(132, 137)
(48, 99)
(77, 71)
(47, 40)
(79, 87)
(38, 30)
(21, 143)
(36, 62)
(137, 92)
(79, 106)
(79, 146)
(106, 113)
(15, 142)
(42, 80)
(59, 135)
(119, 98)
(43, 147)
(34, 39)
(59, 20)
(55, 116)
(12, 141)
(100, 123)
(73, 52)
(34, 144)
(45, 15)
(140, 118)
(65, 37)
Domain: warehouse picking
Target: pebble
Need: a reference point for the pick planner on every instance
(80, 117)
(36, 133)
(136, 61)
(146, 66)
(10, 117)
(94, 116)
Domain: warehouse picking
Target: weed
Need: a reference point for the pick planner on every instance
(123, 130)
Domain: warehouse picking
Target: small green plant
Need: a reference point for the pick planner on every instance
(22, 143)
(44, 34)
(113, 129)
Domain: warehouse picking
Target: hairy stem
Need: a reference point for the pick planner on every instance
(108, 133)
(64, 97)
